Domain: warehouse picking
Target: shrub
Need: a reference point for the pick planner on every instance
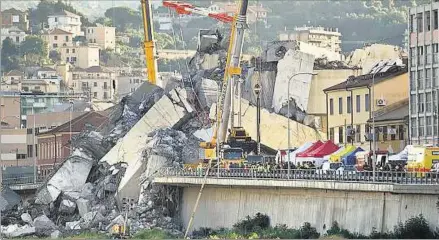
(308, 232)
(152, 234)
(255, 224)
(415, 227)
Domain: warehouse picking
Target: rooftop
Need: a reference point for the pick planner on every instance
(79, 123)
(13, 10)
(64, 13)
(46, 69)
(385, 72)
(94, 69)
(14, 73)
(57, 31)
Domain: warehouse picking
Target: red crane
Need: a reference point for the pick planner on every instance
(187, 8)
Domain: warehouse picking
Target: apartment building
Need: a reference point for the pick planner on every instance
(10, 109)
(423, 43)
(15, 18)
(82, 56)
(14, 147)
(104, 37)
(328, 38)
(57, 37)
(66, 21)
(349, 104)
(98, 83)
(16, 35)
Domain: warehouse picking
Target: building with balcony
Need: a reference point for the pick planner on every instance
(38, 102)
(16, 35)
(98, 83)
(254, 12)
(82, 56)
(423, 43)
(349, 106)
(15, 18)
(66, 21)
(56, 38)
(104, 37)
(328, 38)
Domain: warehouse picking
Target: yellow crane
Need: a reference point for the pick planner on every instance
(148, 42)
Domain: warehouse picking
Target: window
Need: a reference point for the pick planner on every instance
(137, 80)
(73, 59)
(413, 103)
(412, 56)
(428, 102)
(421, 103)
(435, 81)
(340, 135)
(67, 38)
(331, 134)
(428, 54)
(36, 150)
(105, 95)
(15, 18)
(67, 59)
(366, 103)
(420, 55)
(95, 94)
(420, 80)
(30, 131)
(130, 80)
(67, 50)
(419, 21)
(429, 126)
(55, 38)
(428, 78)
(435, 18)
(401, 132)
(349, 104)
(412, 27)
(73, 50)
(21, 156)
(413, 130)
(340, 105)
(421, 127)
(384, 133)
(95, 84)
(17, 39)
(105, 85)
(427, 21)
(30, 150)
(56, 19)
(435, 53)
(55, 45)
(358, 132)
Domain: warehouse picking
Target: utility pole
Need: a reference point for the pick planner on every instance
(258, 117)
(1, 101)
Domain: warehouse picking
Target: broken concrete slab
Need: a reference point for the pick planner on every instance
(75, 225)
(207, 92)
(13, 231)
(293, 62)
(8, 199)
(27, 218)
(87, 191)
(43, 225)
(91, 219)
(55, 234)
(71, 176)
(67, 207)
(129, 149)
(83, 206)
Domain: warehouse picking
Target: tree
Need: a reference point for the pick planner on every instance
(55, 56)
(124, 18)
(10, 58)
(34, 45)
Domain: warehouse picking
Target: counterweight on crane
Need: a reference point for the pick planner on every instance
(148, 43)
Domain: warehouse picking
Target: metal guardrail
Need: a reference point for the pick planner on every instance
(22, 180)
(311, 174)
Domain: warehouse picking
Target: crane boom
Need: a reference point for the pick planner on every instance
(233, 70)
(148, 42)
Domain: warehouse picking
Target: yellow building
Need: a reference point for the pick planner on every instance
(81, 56)
(57, 38)
(348, 104)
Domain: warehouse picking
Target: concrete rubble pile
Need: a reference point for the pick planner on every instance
(83, 193)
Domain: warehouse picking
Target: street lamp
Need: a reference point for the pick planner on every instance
(257, 90)
(373, 122)
(288, 115)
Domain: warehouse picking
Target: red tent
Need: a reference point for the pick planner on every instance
(310, 149)
(325, 149)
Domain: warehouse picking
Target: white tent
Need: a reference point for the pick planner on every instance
(292, 155)
(403, 155)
